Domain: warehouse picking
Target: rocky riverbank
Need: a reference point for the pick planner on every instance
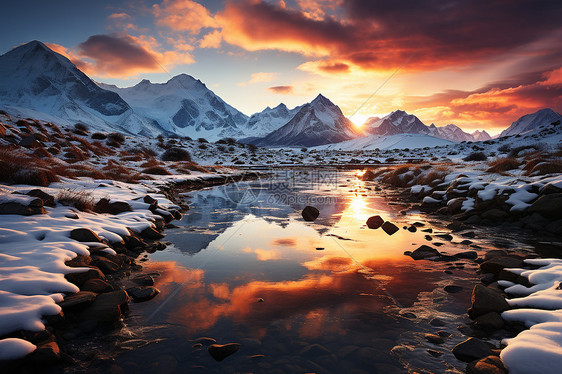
(516, 291)
(72, 257)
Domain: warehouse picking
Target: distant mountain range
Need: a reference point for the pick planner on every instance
(40, 83)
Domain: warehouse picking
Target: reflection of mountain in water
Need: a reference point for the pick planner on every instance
(274, 200)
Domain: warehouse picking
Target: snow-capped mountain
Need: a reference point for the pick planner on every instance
(397, 122)
(183, 106)
(38, 82)
(318, 122)
(531, 122)
(480, 136)
(400, 122)
(270, 119)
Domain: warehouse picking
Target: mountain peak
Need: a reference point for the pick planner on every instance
(321, 99)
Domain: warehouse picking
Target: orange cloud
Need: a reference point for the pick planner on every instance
(211, 40)
(183, 15)
(285, 90)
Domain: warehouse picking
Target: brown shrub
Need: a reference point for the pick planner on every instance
(543, 168)
(151, 162)
(502, 165)
(396, 178)
(156, 170)
(81, 200)
(19, 168)
(432, 178)
(190, 166)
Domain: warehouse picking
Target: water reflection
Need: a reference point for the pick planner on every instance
(335, 309)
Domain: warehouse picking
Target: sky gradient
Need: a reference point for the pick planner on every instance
(475, 63)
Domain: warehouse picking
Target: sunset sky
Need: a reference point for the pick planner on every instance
(477, 63)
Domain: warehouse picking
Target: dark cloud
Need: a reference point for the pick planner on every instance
(117, 54)
(281, 89)
(383, 34)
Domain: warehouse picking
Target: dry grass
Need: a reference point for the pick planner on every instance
(151, 162)
(81, 200)
(543, 167)
(19, 168)
(502, 165)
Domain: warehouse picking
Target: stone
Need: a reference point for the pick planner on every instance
(434, 339)
(97, 286)
(447, 237)
(436, 322)
(107, 307)
(310, 213)
(492, 320)
(149, 199)
(79, 261)
(472, 349)
(487, 365)
(80, 299)
(494, 215)
(412, 229)
(116, 207)
(45, 354)
(453, 289)
(105, 265)
(494, 253)
(485, 300)
(548, 206)
(434, 352)
(79, 278)
(35, 206)
(151, 233)
(375, 222)
(143, 293)
(496, 264)
(424, 252)
(390, 228)
(143, 280)
(84, 235)
(470, 255)
(221, 351)
(314, 350)
(47, 199)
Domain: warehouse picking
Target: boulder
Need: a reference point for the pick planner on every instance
(80, 278)
(45, 354)
(84, 235)
(470, 255)
(548, 206)
(105, 265)
(485, 300)
(143, 293)
(487, 365)
(150, 200)
(472, 349)
(23, 208)
(494, 215)
(496, 264)
(107, 307)
(97, 286)
(389, 227)
(375, 222)
(80, 299)
(151, 233)
(221, 351)
(492, 320)
(48, 200)
(310, 213)
(434, 339)
(424, 252)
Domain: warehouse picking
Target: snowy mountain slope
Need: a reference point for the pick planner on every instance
(531, 122)
(400, 122)
(270, 119)
(184, 106)
(398, 141)
(316, 123)
(34, 79)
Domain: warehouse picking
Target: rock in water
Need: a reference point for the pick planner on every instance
(424, 251)
(389, 227)
(310, 213)
(221, 351)
(486, 300)
(374, 222)
(143, 293)
(472, 349)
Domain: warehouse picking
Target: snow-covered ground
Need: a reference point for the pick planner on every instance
(34, 249)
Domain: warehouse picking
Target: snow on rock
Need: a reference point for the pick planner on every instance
(12, 348)
(539, 349)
